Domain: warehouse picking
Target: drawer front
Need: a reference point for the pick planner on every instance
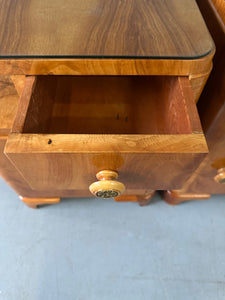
(64, 165)
(147, 129)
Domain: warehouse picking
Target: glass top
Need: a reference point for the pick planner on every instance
(102, 29)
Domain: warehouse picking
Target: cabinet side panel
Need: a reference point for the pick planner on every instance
(212, 110)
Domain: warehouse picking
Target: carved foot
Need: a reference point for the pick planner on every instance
(176, 197)
(34, 202)
(143, 200)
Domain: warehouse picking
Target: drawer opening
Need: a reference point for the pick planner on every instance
(67, 128)
(103, 105)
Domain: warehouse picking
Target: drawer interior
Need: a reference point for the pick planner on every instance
(104, 105)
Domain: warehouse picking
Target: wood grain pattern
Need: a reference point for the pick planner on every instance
(67, 161)
(212, 110)
(14, 179)
(48, 66)
(163, 31)
(198, 82)
(19, 82)
(203, 179)
(77, 170)
(11, 175)
(73, 143)
(219, 6)
(110, 105)
(23, 105)
(101, 28)
(8, 104)
(17, 182)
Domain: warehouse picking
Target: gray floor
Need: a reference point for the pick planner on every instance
(98, 249)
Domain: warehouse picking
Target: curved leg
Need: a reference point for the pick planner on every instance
(176, 197)
(34, 202)
(143, 200)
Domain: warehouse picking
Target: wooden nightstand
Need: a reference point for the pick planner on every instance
(104, 86)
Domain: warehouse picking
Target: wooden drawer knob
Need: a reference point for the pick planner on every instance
(220, 177)
(107, 186)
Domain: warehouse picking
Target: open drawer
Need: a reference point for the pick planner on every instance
(68, 128)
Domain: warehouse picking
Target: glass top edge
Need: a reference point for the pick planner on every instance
(103, 56)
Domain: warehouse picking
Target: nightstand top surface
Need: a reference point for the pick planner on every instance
(102, 29)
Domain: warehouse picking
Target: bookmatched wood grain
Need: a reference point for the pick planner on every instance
(101, 28)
